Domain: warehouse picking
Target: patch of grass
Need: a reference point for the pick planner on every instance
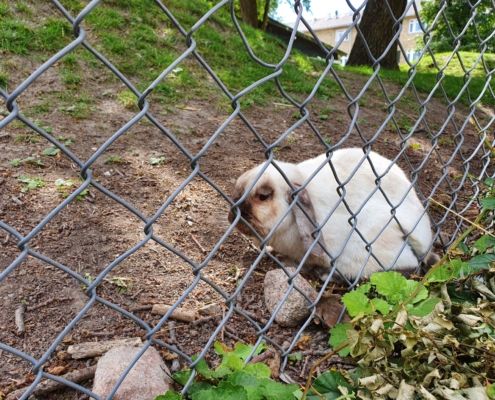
(23, 8)
(15, 36)
(4, 10)
(127, 99)
(115, 159)
(427, 76)
(3, 80)
(70, 77)
(77, 105)
(41, 108)
(28, 138)
(53, 35)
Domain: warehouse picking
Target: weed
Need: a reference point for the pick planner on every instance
(36, 162)
(65, 188)
(415, 146)
(65, 140)
(29, 138)
(3, 80)
(51, 151)
(157, 160)
(30, 183)
(122, 283)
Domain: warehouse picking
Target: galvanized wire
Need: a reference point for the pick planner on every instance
(469, 182)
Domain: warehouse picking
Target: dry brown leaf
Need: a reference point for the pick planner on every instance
(329, 309)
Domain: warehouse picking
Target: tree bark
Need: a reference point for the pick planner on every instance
(377, 27)
(264, 22)
(249, 12)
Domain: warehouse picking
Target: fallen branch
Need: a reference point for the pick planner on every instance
(49, 386)
(95, 349)
(179, 314)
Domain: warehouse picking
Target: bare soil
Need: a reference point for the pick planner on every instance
(92, 232)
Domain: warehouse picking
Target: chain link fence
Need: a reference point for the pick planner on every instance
(450, 197)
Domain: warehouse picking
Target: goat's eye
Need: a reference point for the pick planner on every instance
(264, 197)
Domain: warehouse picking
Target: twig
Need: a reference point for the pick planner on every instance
(45, 303)
(263, 356)
(198, 244)
(19, 319)
(475, 224)
(145, 307)
(49, 386)
(204, 319)
(303, 370)
(6, 240)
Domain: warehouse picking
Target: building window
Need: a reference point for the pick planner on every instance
(342, 33)
(413, 55)
(414, 26)
(343, 60)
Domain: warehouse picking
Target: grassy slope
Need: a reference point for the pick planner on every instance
(140, 40)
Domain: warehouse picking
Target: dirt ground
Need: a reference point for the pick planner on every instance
(91, 232)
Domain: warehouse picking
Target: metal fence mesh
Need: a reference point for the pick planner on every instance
(459, 193)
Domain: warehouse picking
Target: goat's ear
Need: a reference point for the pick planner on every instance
(306, 222)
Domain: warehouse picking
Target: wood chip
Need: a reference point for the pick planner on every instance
(95, 349)
(19, 319)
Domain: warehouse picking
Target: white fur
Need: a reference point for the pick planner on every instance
(373, 213)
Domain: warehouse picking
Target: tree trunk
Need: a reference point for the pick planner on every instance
(264, 22)
(249, 12)
(377, 27)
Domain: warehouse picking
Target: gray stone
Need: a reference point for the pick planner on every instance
(295, 309)
(147, 379)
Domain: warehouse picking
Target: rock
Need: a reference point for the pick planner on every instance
(295, 309)
(148, 378)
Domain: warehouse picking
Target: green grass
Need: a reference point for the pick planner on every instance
(427, 75)
(139, 39)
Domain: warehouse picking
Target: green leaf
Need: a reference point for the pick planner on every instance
(182, 377)
(389, 284)
(328, 385)
(381, 306)
(396, 288)
(16, 162)
(424, 308)
(364, 288)
(356, 303)
(490, 391)
(338, 335)
(170, 395)
(488, 203)
(224, 391)
(451, 270)
(484, 243)
(51, 151)
(482, 261)
(297, 356)
(258, 370)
